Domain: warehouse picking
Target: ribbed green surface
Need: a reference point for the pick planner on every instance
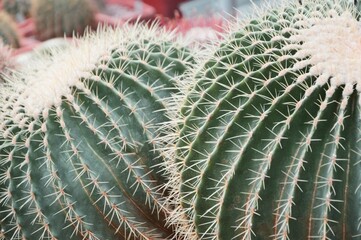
(86, 168)
(54, 18)
(264, 154)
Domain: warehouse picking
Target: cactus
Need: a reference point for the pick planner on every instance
(266, 143)
(77, 149)
(20, 9)
(55, 18)
(8, 31)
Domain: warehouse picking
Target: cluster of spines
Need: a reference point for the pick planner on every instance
(91, 156)
(58, 18)
(250, 132)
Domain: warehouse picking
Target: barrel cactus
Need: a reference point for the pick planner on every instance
(8, 31)
(77, 150)
(54, 18)
(266, 143)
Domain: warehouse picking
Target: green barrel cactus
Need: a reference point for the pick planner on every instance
(77, 138)
(8, 31)
(267, 141)
(54, 18)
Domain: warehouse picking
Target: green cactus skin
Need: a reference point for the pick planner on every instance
(55, 18)
(268, 139)
(78, 157)
(8, 32)
(20, 9)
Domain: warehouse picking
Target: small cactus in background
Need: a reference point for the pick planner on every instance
(267, 142)
(54, 18)
(77, 145)
(7, 63)
(19, 9)
(8, 31)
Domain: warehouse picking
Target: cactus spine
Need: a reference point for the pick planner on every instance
(77, 147)
(55, 18)
(8, 32)
(268, 139)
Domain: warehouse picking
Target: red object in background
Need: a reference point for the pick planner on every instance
(165, 8)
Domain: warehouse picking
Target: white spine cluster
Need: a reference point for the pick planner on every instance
(332, 46)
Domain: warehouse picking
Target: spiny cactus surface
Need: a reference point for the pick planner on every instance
(268, 144)
(77, 138)
(8, 32)
(54, 18)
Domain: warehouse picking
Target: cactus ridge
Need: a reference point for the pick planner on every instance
(266, 145)
(78, 134)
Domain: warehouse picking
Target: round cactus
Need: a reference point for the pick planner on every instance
(20, 9)
(8, 31)
(77, 150)
(54, 18)
(267, 140)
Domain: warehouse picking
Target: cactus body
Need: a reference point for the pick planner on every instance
(58, 18)
(268, 144)
(77, 146)
(8, 31)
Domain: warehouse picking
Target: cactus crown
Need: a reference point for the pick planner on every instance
(266, 141)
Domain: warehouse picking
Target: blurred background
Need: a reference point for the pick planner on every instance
(189, 8)
(27, 24)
